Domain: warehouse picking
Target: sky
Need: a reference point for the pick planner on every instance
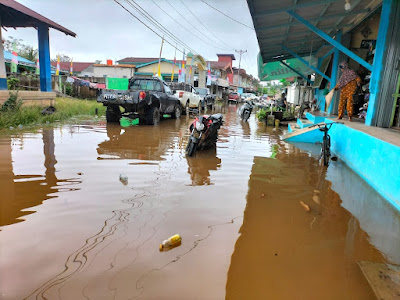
(106, 31)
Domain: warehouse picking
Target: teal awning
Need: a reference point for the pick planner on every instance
(276, 70)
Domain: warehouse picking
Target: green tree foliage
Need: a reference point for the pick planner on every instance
(23, 50)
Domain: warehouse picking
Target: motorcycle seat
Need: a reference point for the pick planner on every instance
(216, 117)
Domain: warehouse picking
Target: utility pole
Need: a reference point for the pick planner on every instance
(240, 60)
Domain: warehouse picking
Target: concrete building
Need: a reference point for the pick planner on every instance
(113, 71)
(77, 67)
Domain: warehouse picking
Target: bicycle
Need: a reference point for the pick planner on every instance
(326, 141)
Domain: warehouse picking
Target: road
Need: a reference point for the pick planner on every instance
(72, 230)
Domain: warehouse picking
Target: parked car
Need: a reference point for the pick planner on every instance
(187, 95)
(146, 98)
(207, 99)
(234, 97)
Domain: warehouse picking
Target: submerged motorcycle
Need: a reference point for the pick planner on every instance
(204, 133)
(245, 110)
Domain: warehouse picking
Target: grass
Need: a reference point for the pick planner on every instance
(65, 109)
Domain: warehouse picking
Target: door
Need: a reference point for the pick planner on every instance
(395, 121)
(171, 99)
(159, 91)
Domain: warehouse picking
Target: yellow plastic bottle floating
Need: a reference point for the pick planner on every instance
(172, 242)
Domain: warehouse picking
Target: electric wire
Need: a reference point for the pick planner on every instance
(187, 7)
(215, 46)
(162, 28)
(229, 17)
(127, 10)
(191, 33)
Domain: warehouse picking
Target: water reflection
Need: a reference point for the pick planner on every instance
(375, 214)
(22, 192)
(281, 244)
(142, 142)
(199, 167)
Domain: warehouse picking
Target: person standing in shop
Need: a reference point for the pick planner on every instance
(348, 83)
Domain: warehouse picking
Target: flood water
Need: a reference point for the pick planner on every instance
(70, 229)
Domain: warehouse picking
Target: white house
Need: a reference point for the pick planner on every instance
(113, 71)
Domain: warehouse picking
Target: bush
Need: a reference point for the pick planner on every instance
(12, 83)
(12, 103)
(262, 114)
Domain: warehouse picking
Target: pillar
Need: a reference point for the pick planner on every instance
(335, 68)
(44, 58)
(379, 61)
(202, 78)
(3, 74)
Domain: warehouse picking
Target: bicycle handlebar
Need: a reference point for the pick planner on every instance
(326, 125)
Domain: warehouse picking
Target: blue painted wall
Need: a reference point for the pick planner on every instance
(373, 159)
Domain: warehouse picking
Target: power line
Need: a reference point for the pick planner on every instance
(176, 21)
(187, 7)
(158, 25)
(116, 1)
(229, 17)
(193, 27)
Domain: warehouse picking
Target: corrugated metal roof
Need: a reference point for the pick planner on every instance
(77, 66)
(14, 14)
(8, 57)
(275, 28)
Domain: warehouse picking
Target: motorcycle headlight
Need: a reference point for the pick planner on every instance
(199, 126)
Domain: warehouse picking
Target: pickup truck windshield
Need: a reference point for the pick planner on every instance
(145, 84)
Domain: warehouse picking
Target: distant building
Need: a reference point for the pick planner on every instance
(151, 67)
(77, 67)
(112, 71)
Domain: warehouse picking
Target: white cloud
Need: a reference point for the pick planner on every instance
(106, 31)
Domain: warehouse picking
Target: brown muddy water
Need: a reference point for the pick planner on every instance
(71, 230)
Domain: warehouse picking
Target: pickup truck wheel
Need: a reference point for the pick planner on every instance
(186, 109)
(177, 112)
(113, 114)
(153, 116)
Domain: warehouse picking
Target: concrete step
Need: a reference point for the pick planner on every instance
(292, 127)
(305, 135)
(304, 123)
(318, 117)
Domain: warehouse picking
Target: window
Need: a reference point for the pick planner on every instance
(157, 86)
(105, 76)
(124, 77)
(167, 89)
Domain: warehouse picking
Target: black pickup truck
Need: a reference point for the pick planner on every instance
(147, 98)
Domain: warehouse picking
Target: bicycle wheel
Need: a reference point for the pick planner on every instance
(325, 152)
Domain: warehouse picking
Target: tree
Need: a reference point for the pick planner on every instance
(23, 50)
(63, 58)
(29, 53)
(97, 61)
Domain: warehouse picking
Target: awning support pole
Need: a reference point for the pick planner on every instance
(297, 72)
(44, 58)
(307, 64)
(335, 67)
(330, 40)
(378, 65)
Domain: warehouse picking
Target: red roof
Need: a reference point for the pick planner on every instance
(77, 66)
(221, 65)
(14, 14)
